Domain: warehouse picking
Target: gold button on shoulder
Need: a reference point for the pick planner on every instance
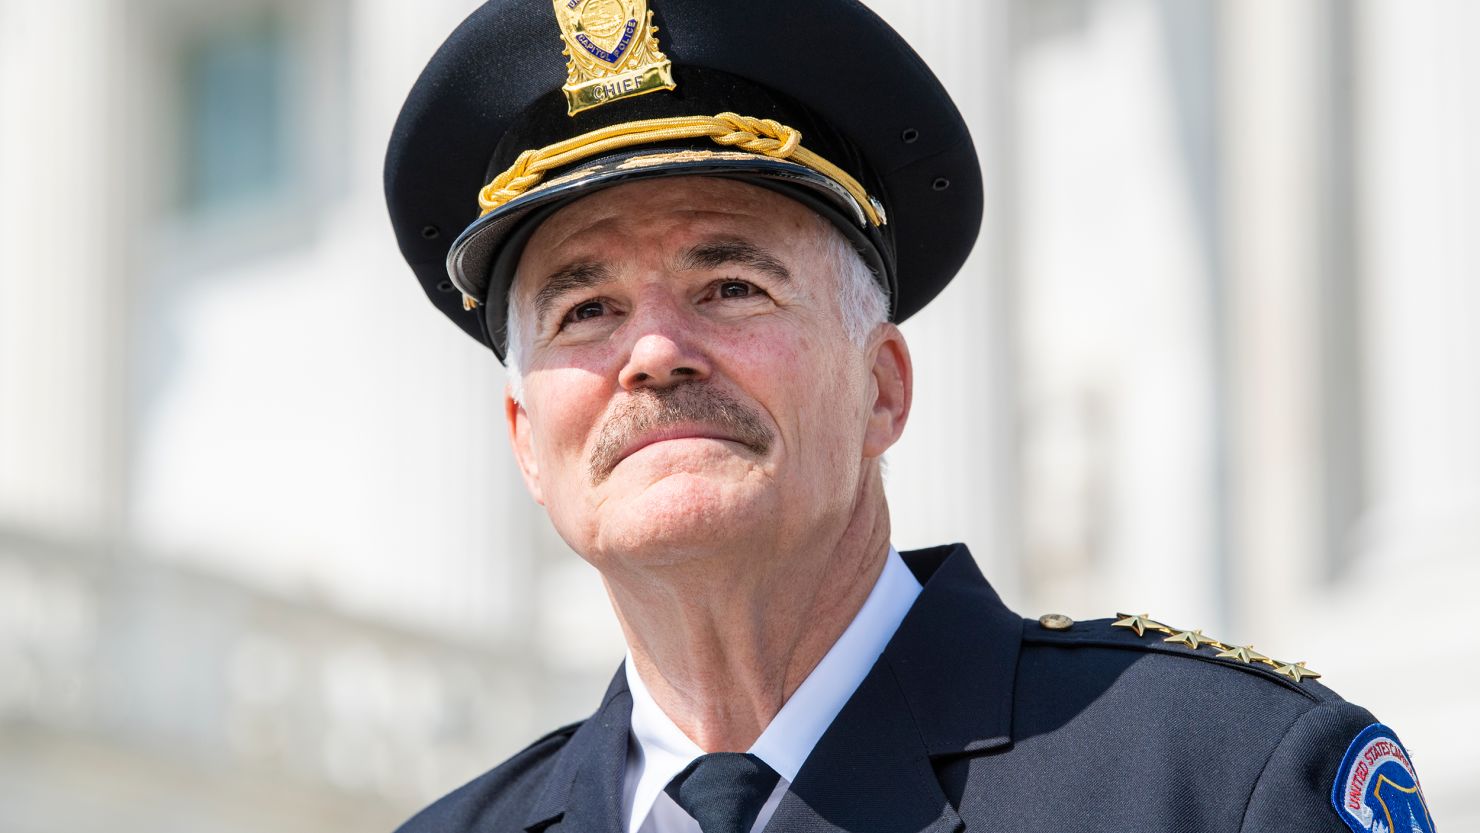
(1056, 621)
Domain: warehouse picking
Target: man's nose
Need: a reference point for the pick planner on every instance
(666, 349)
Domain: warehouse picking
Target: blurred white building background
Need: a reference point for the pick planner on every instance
(265, 563)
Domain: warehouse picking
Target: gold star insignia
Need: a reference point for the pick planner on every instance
(1191, 639)
(1255, 656)
(1139, 624)
(1239, 652)
(1296, 672)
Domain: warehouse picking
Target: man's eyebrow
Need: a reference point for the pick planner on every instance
(568, 278)
(716, 253)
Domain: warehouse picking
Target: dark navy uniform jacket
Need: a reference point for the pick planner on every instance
(976, 719)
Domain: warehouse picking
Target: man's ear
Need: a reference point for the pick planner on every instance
(521, 437)
(893, 388)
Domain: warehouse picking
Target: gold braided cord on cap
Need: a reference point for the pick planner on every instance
(765, 137)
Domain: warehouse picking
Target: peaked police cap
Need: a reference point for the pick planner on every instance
(533, 103)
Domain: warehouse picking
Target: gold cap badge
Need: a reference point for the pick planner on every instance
(613, 50)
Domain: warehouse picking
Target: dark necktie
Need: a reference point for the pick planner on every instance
(723, 791)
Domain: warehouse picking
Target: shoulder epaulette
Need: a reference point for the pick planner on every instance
(1149, 634)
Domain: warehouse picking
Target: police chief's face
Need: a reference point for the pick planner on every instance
(689, 383)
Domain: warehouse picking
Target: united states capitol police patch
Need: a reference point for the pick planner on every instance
(1376, 789)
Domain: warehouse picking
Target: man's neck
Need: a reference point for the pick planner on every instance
(722, 647)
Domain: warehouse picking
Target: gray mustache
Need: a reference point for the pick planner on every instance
(652, 409)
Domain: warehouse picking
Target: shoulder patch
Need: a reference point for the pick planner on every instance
(1376, 789)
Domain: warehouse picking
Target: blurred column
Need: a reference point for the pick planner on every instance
(1421, 229)
(1272, 112)
(60, 302)
(1111, 255)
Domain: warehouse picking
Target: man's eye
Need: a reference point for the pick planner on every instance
(736, 289)
(585, 310)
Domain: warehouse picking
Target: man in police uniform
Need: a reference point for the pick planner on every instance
(696, 225)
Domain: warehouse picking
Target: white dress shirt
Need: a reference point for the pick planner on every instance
(657, 750)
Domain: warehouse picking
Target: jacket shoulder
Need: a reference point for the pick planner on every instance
(499, 799)
(1241, 740)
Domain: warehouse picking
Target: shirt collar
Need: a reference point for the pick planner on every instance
(660, 750)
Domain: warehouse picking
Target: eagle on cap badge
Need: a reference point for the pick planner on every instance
(613, 50)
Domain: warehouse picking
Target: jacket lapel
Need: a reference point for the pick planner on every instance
(943, 687)
(584, 791)
(955, 655)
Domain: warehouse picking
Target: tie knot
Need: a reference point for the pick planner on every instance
(723, 791)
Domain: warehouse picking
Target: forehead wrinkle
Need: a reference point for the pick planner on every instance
(579, 275)
(713, 254)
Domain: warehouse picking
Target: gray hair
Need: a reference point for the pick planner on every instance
(862, 302)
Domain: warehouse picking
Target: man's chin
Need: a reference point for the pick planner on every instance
(683, 511)
(699, 464)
